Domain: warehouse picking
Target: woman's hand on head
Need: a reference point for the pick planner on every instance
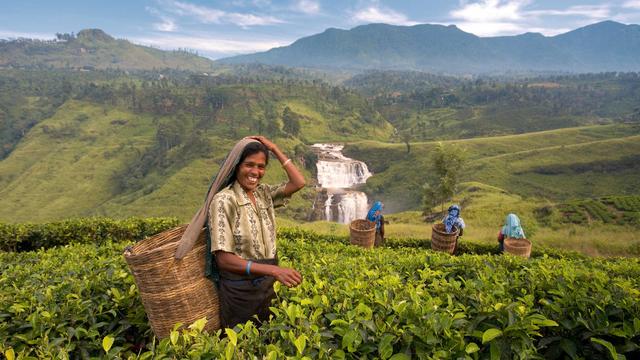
(288, 277)
(266, 142)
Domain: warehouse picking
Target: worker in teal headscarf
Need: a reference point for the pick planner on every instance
(375, 215)
(511, 229)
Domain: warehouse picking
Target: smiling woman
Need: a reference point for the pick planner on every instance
(243, 234)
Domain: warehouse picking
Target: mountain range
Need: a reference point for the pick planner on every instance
(600, 47)
(604, 46)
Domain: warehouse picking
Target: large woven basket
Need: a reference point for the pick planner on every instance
(442, 240)
(519, 247)
(173, 291)
(363, 233)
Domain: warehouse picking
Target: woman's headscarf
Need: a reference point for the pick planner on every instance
(371, 215)
(221, 180)
(452, 217)
(512, 227)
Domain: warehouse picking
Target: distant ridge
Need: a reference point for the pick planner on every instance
(95, 49)
(604, 46)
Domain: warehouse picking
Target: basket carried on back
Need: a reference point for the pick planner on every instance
(363, 233)
(519, 247)
(442, 240)
(172, 290)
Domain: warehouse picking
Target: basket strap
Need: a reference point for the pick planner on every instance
(191, 234)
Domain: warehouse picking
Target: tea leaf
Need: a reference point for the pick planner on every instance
(490, 334)
(107, 342)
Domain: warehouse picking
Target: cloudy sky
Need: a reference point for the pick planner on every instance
(219, 28)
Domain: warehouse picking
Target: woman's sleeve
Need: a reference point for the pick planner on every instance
(221, 214)
(276, 192)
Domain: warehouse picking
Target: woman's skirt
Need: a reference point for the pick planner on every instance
(243, 296)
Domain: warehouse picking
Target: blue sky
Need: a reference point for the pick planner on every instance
(219, 28)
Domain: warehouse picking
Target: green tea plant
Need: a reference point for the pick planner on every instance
(398, 302)
(25, 237)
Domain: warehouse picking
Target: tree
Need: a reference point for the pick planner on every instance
(290, 122)
(447, 163)
(405, 135)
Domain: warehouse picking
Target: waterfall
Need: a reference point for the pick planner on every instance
(337, 176)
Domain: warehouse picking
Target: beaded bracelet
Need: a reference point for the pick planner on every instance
(248, 269)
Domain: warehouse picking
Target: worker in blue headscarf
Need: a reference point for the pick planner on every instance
(511, 229)
(453, 219)
(375, 215)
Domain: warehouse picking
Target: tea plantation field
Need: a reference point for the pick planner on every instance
(79, 300)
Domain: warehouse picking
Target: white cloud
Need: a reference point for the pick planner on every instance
(511, 17)
(588, 11)
(307, 7)
(490, 11)
(377, 14)
(491, 28)
(208, 44)
(7, 34)
(167, 25)
(214, 16)
(633, 4)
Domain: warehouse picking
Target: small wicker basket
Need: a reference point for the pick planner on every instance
(173, 291)
(442, 240)
(363, 233)
(518, 247)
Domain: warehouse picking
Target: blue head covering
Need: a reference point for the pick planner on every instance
(372, 216)
(512, 227)
(453, 218)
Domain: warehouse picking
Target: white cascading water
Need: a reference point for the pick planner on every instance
(337, 174)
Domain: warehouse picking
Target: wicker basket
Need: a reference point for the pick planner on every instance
(363, 233)
(519, 247)
(173, 290)
(442, 240)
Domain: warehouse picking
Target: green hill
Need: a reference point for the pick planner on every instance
(106, 153)
(146, 143)
(93, 49)
(555, 164)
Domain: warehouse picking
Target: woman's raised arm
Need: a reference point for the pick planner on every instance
(296, 180)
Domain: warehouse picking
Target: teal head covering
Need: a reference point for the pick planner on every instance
(512, 227)
(375, 214)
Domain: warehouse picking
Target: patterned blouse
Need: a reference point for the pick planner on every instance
(238, 227)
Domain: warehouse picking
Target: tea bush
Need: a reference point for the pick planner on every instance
(398, 302)
(26, 237)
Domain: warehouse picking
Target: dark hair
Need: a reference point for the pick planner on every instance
(250, 149)
(253, 148)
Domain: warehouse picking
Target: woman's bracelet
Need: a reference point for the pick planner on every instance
(248, 269)
(286, 162)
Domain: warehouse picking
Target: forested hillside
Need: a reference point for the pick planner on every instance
(94, 49)
(428, 107)
(146, 143)
(149, 144)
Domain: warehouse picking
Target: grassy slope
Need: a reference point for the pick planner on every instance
(49, 177)
(316, 127)
(484, 210)
(509, 162)
(55, 176)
